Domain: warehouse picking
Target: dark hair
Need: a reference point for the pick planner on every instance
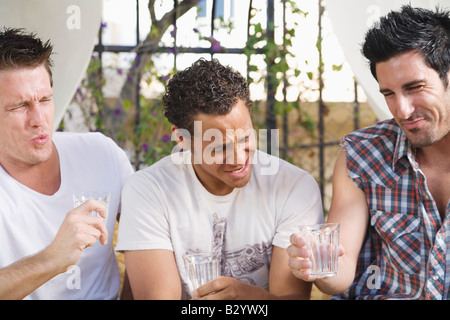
(21, 50)
(407, 30)
(205, 87)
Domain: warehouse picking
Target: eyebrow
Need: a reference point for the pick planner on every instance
(19, 102)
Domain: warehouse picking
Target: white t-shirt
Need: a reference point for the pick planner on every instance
(29, 220)
(165, 206)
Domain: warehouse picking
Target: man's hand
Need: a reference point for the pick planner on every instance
(222, 288)
(78, 231)
(299, 261)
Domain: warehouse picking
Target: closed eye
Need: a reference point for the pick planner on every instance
(46, 98)
(416, 88)
(17, 107)
(386, 93)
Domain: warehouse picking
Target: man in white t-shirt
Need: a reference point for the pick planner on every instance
(220, 194)
(49, 249)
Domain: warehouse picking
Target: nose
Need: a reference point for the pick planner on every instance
(402, 107)
(36, 115)
(240, 153)
(236, 155)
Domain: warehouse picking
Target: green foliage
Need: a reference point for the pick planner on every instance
(90, 96)
(280, 71)
(144, 131)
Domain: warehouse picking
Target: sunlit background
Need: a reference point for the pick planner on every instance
(119, 18)
(102, 84)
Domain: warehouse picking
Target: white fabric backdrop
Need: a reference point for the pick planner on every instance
(350, 20)
(71, 25)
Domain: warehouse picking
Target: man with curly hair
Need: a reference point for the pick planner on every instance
(215, 196)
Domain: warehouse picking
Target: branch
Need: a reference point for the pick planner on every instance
(165, 22)
(147, 47)
(151, 9)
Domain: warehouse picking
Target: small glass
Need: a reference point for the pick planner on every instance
(202, 267)
(82, 197)
(323, 242)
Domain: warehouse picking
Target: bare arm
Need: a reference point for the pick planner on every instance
(153, 274)
(77, 232)
(349, 208)
(24, 276)
(282, 284)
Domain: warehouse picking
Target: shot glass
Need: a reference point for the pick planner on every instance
(323, 242)
(202, 267)
(82, 197)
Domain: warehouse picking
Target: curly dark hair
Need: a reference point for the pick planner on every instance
(205, 87)
(407, 30)
(19, 49)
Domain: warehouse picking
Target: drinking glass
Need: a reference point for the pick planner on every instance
(202, 267)
(82, 197)
(322, 240)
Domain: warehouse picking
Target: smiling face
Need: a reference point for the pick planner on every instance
(222, 155)
(416, 97)
(26, 117)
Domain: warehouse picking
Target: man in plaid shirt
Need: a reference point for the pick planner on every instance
(391, 181)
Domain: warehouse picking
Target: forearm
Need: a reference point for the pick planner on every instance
(340, 282)
(24, 276)
(153, 274)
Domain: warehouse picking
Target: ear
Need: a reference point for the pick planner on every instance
(182, 137)
(175, 135)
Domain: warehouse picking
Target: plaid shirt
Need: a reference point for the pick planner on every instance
(405, 252)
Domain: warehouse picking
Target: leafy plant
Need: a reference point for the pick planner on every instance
(137, 122)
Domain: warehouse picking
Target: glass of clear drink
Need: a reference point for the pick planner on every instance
(322, 240)
(202, 267)
(82, 197)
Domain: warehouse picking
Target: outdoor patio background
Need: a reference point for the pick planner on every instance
(314, 151)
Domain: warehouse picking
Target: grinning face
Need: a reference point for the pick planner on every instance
(26, 117)
(416, 98)
(223, 149)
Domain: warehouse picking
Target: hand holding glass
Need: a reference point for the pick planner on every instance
(322, 240)
(202, 268)
(82, 197)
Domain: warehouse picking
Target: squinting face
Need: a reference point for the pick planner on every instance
(416, 97)
(222, 155)
(26, 117)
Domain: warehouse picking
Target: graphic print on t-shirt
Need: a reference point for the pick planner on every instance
(240, 264)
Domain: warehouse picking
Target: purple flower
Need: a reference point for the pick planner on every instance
(165, 138)
(144, 147)
(173, 32)
(216, 47)
(164, 78)
(117, 111)
(215, 44)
